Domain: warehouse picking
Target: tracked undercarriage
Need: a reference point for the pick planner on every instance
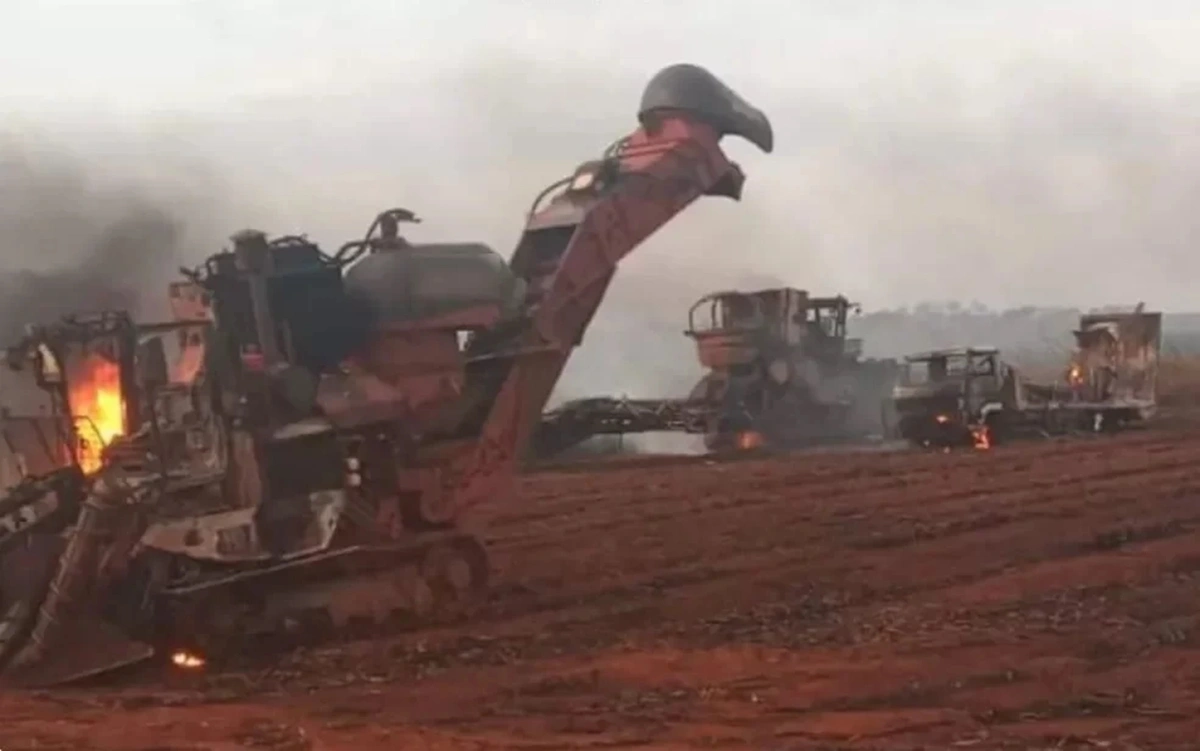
(294, 456)
(59, 627)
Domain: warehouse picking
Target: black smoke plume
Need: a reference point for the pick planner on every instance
(76, 238)
(107, 277)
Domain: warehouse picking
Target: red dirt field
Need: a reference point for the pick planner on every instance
(1035, 596)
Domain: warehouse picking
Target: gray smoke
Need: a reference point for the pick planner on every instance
(1024, 179)
(82, 233)
(112, 274)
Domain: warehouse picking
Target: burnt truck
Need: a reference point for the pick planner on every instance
(971, 396)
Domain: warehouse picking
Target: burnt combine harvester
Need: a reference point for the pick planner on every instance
(972, 397)
(297, 452)
(781, 373)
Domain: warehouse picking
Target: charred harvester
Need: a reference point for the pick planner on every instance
(296, 455)
(971, 396)
(781, 373)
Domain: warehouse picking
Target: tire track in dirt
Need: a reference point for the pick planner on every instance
(852, 501)
(656, 534)
(807, 470)
(847, 487)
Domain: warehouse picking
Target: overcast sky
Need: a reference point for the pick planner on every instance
(1004, 151)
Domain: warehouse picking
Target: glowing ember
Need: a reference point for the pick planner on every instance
(748, 440)
(982, 436)
(187, 660)
(94, 393)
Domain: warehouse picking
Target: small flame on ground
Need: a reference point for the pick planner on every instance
(749, 439)
(982, 437)
(94, 393)
(187, 660)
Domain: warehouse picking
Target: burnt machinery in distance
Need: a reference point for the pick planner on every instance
(971, 396)
(781, 372)
(306, 459)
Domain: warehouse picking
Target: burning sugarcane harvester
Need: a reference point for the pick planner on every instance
(971, 396)
(295, 456)
(781, 373)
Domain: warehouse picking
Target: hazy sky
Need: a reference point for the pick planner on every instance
(1010, 152)
(1022, 153)
(211, 53)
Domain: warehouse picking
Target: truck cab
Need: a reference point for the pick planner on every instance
(943, 396)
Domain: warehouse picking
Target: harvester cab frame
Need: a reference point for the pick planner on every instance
(729, 326)
(113, 387)
(64, 357)
(790, 312)
(827, 319)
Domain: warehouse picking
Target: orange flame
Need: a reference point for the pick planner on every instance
(982, 437)
(187, 660)
(94, 394)
(748, 440)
